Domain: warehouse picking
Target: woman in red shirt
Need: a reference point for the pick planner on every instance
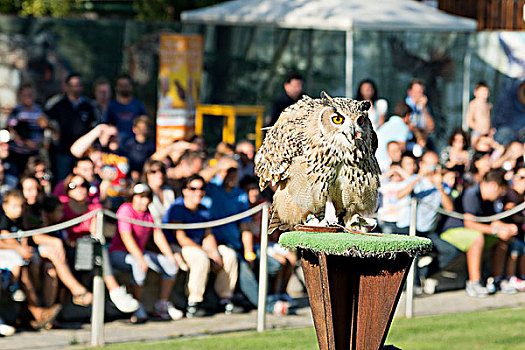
(77, 188)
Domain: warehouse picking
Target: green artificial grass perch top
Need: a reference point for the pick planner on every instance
(355, 245)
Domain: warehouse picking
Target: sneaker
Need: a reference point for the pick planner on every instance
(517, 283)
(6, 330)
(17, 294)
(491, 285)
(139, 316)
(227, 306)
(506, 288)
(195, 310)
(281, 308)
(165, 310)
(475, 289)
(429, 285)
(123, 301)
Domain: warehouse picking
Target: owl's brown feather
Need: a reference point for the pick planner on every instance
(320, 149)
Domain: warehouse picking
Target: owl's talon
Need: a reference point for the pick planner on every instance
(360, 223)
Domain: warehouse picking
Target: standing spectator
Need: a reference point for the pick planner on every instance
(139, 147)
(128, 252)
(124, 108)
(75, 117)
(478, 113)
(26, 123)
(9, 167)
(418, 102)
(200, 250)
(367, 90)
(394, 129)
(7, 182)
(102, 97)
(473, 237)
(293, 87)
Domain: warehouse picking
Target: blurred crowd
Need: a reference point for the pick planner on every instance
(76, 155)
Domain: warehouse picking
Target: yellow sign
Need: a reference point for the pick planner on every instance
(180, 71)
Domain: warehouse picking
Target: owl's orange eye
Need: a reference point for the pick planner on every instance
(360, 120)
(337, 119)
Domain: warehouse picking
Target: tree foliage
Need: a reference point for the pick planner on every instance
(168, 9)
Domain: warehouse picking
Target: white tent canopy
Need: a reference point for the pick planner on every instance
(331, 15)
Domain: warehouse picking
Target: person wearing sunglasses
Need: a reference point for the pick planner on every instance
(200, 250)
(77, 189)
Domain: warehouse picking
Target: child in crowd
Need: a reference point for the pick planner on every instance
(478, 112)
(21, 253)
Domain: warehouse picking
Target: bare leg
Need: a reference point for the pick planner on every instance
(29, 289)
(166, 285)
(474, 254)
(49, 284)
(512, 260)
(136, 291)
(498, 258)
(111, 282)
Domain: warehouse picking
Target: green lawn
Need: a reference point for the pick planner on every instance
(497, 329)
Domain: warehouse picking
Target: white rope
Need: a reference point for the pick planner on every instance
(192, 226)
(52, 228)
(490, 218)
(77, 220)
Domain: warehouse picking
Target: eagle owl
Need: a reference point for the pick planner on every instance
(321, 155)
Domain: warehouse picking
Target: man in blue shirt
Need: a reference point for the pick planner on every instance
(200, 250)
(227, 200)
(124, 108)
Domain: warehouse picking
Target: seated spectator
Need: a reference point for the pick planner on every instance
(509, 158)
(139, 147)
(286, 258)
(245, 153)
(473, 237)
(428, 188)
(389, 208)
(85, 168)
(19, 253)
(154, 175)
(515, 196)
(479, 166)
(77, 190)
(115, 169)
(38, 167)
(128, 252)
(226, 200)
(49, 247)
(200, 250)
(26, 123)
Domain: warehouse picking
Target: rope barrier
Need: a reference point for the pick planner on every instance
(52, 228)
(77, 220)
(490, 218)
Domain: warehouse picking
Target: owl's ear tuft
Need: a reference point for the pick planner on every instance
(326, 99)
(364, 106)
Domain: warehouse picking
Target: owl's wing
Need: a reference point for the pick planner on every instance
(283, 142)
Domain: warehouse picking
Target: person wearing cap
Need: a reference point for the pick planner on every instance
(128, 252)
(200, 250)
